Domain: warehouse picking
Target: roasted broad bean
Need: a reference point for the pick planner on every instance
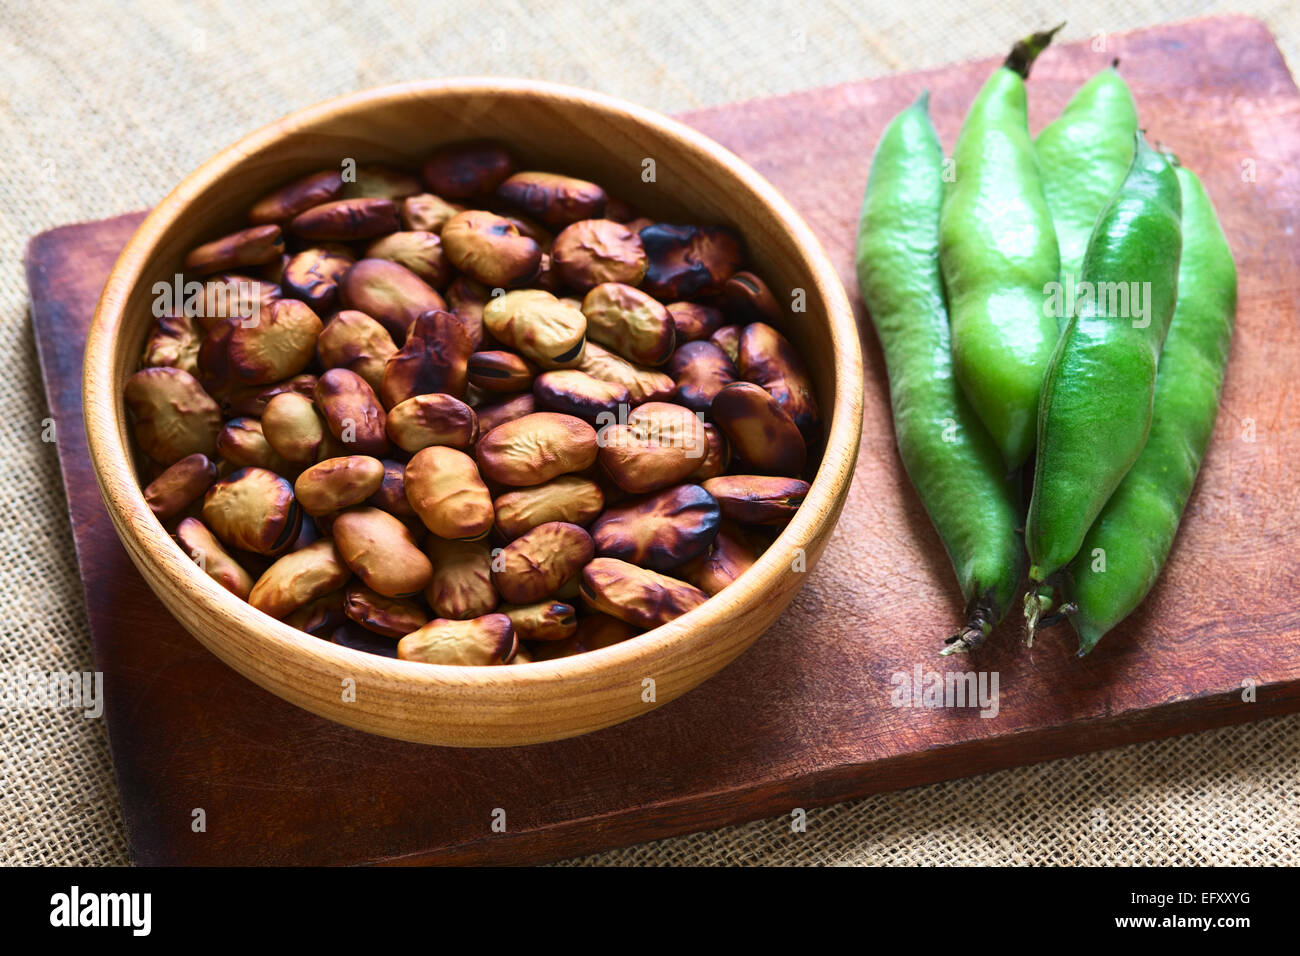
(344, 220)
(554, 199)
(748, 299)
(660, 531)
(637, 596)
(490, 249)
(760, 431)
(389, 293)
(765, 357)
(535, 564)
(539, 325)
(482, 640)
(426, 212)
(467, 169)
(660, 445)
(313, 275)
(352, 412)
(298, 196)
(543, 621)
(391, 496)
(757, 499)
(434, 358)
(203, 548)
(576, 393)
(299, 577)
(254, 510)
(498, 413)
(353, 340)
(501, 371)
(180, 485)
(434, 419)
(174, 416)
(642, 384)
(461, 586)
(421, 252)
(248, 247)
(567, 498)
(278, 344)
(378, 181)
(632, 323)
(593, 251)
(444, 488)
(693, 321)
(242, 442)
(536, 448)
(688, 261)
(702, 370)
(727, 559)
(381, 552)
(338, 483)
(291, 427)
(392, 617)
(174, 341)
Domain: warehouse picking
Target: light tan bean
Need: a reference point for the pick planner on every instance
(426, 212)
(660, 445)
(292, 428)
(243, 443)
(338, 483)
(593, 251)
(421, 252)
(490, 249)
(434, 419)
(566, 498)
(380, 181)
(313, 275)
(355, 341)
(536, 448)
(642, 384)
(632, 323)
(543, 621)
(539, 325)
(254, 510)
(444, 488)
(535, 564)
(381, 552)
(174, 340)
(480, 641)
(461, 586)
(298, 578)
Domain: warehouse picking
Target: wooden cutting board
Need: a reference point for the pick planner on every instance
(806, 717)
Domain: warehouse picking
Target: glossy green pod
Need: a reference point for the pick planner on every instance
(1097, 396)
(1129, 542)
(953, 463)
(997, 247)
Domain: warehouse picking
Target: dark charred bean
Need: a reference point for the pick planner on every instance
(660, 531)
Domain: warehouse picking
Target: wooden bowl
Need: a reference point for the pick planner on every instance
(547, 127)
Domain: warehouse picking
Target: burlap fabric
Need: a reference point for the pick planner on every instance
(104, 107)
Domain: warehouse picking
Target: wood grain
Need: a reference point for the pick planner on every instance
(803, 718)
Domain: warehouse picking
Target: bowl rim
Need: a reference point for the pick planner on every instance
(145, 538)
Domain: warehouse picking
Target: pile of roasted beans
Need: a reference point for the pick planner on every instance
(471, 415)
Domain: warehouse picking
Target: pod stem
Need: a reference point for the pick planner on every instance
(1039, 602)
(981, 618)
(1021, 58)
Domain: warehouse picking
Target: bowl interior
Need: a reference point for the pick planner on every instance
(664, 169)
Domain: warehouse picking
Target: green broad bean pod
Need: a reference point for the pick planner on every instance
(1129, 542)
(997, 248)
(1097, 397)
(1083, 156)
(952, 461)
